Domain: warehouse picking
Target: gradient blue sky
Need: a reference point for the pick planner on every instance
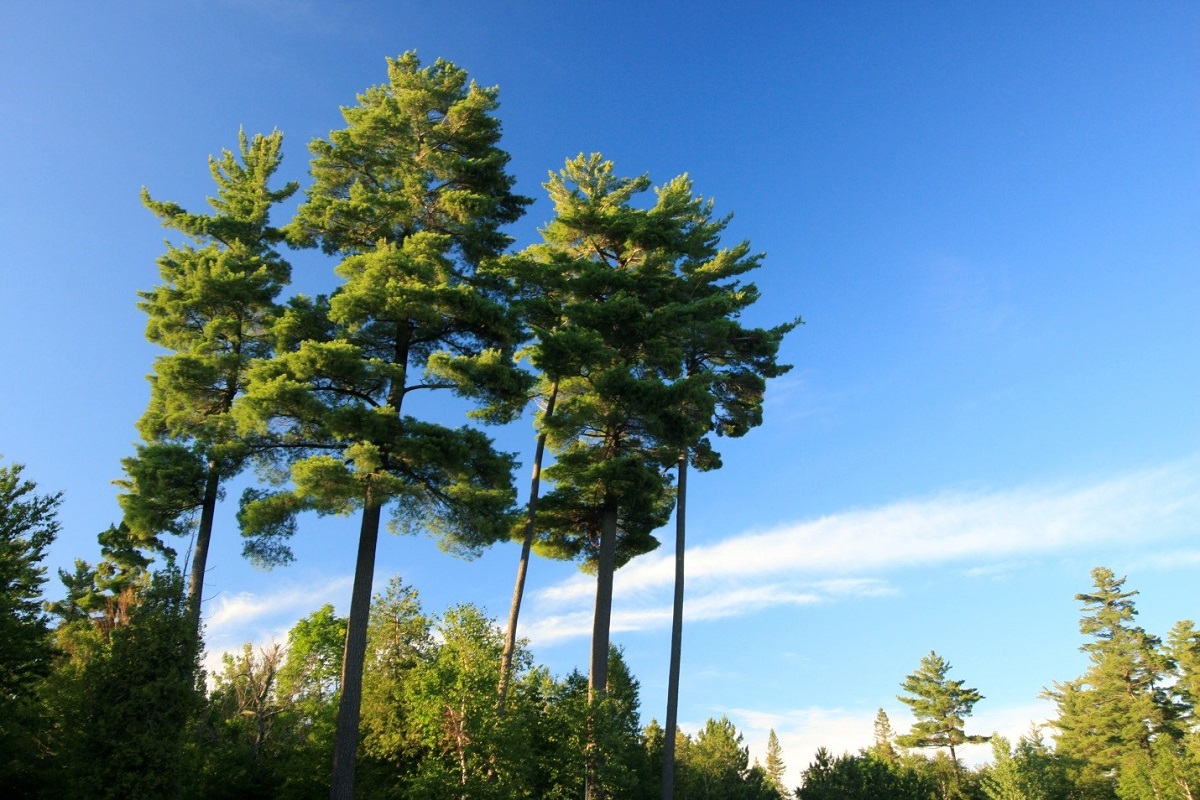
(988, 215)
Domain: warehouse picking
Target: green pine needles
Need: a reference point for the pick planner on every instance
(625, 316)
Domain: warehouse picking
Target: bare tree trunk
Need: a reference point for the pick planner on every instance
(345, 743)
(510, 639)
(668, 766)
(200, 553)
(606, 561)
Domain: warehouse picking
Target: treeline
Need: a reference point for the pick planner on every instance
(1127, 729)
(104, 697)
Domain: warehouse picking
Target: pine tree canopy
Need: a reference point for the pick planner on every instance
(940, 706)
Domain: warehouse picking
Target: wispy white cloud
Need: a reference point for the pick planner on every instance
(717, 603)
(846, 554)
(245, 608)
(259, 618)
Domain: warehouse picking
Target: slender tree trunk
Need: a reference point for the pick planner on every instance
(345, 743)
(668, 766)
(510, 640)
(606, 562)
(200, 553)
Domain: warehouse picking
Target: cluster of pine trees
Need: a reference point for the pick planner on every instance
(621, 328)
(1127, 729)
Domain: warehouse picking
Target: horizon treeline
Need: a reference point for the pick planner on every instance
(105, 697)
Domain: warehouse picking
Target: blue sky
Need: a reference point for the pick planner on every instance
(988, 216)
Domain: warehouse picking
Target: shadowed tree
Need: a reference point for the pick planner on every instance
(212, 312)
(123, 698)
(863, 776)
(411, 195)
(28, 526)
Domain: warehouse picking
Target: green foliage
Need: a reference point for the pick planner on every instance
(1119, 707)
(863, 777)
(622, 769)
(267, 730)
(163, 486)
(28, 525)
(213, 313)
(237, 737)
(123, 703)
(556, 711)
(591, 291)
(1029, 771)
(724, 366)
(411, 193)
(425, 129)
(715, 765)
(633, 316)
(399, 640)
(884, 736)
(469, 749)
(1183, 643)
(775, 765)
(311, 677)
(215, 304)
(1169, 770)
(939, 705)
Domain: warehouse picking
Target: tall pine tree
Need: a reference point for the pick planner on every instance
(775, 765)
(213, 313)
(605, 269)
(722, 375)
(411, 194)
(1119, 706)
